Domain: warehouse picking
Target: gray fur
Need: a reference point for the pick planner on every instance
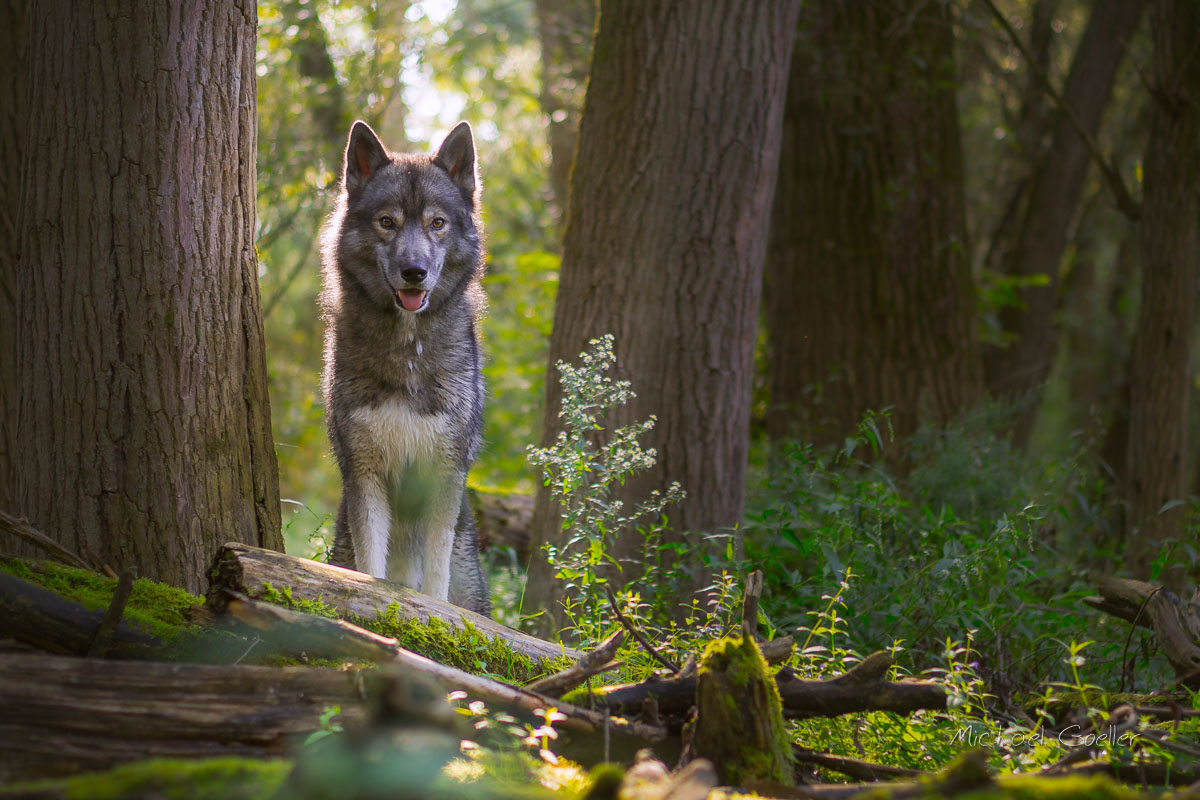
(403, 388)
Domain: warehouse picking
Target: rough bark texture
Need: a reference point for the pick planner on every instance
(13, 97)
(676, 160)
(869, 295)
(1157, 456)
(1035, 246)
(143, 420)
(64, 715)
(565, 28)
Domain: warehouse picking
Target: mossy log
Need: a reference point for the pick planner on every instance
(45, 620)
(739, 718)
(862, 688)
(254, 572)
(64, 715)
(328, 637)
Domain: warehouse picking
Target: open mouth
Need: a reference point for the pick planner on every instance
(411, 299)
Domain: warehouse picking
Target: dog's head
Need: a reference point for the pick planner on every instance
(410, 235)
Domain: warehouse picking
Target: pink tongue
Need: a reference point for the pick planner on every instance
(411, 299)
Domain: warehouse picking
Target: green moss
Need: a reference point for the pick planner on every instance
(1091, 787)
(604, 782)
(466, 648)
(157, 609)
(173, 779)
(740, 662)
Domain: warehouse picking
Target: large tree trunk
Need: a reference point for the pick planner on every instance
(1034, 247)
(13, 97)
(1157, 465)
(869, 294)
(143, 422)
(565, 29)
(663, 248)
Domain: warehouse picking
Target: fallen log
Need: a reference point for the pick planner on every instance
(64, 715)
(503, 519)
(254, 572)
(48, 621)
(322, 637)
(593, 663)
(862, 688)
(1142, 603)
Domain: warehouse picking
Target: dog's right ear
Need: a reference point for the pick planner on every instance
(364, 156)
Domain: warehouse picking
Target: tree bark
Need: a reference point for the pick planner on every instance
(565, 28)
(1036, 244)
(64, 715)
(143, 419)
(13, 107)
(870, 302)
(1157, 465)
(676, 160)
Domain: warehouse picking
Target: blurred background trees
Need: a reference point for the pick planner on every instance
(948, 240)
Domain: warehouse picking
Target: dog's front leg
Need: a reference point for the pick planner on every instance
(439, 538)
(370, 521)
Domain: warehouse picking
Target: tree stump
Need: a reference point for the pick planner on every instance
(739, 723)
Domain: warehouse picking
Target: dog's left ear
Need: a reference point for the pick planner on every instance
(457, 157)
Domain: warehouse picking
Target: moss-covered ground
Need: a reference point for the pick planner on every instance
(167, 778)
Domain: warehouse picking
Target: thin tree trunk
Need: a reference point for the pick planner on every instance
(312, 62)
(869, 296)
(677, 158)
(1056, 183)
(1157, 468)
(143, 424)
(13, 84)
(565, 28)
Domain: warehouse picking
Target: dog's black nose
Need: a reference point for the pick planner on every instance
(413, 274)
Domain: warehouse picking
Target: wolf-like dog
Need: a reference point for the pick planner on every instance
(403, 259)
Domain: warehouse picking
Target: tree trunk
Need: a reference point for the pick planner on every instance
(325, 96)
(869, 296)
(676, 161)
(13, 96)
(1051, 201)
(143, 421)
(1157, 466)
(565, 28)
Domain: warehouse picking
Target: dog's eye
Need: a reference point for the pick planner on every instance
(386, 222)
(437, 223)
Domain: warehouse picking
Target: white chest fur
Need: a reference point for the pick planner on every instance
(404, 436)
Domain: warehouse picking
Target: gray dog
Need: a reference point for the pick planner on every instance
(403, 258)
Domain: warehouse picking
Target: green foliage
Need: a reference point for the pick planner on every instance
(159, 610)
(976, 538)
(227, 778)
(581, 475)
(517, 334)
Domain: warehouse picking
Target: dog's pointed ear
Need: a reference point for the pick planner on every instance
(365, 156)
(457, 157)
